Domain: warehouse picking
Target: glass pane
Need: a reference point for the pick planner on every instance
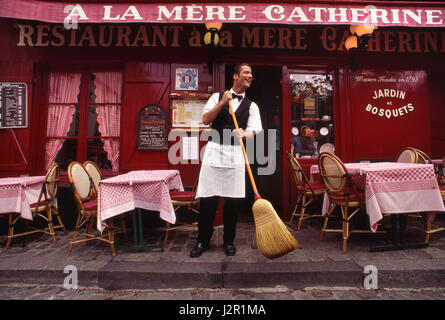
(97, 154)
(67, 153)
(74, 125)
(312, 114)
(93, 126)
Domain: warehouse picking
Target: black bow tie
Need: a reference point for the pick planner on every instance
(234, 95)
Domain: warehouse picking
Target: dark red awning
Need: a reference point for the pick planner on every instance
(281, 13)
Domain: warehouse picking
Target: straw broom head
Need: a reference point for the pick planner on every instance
(273, 238)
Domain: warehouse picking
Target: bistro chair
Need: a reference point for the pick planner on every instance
(343, 193)
(430, 227)
(45, 208)
(94, 172)
(183, 199)
(96, 176)
(407, 155)
(85, 195)
(422, 157)
(306, 192)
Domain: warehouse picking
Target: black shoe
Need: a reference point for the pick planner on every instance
(229, 249)
(199, 249)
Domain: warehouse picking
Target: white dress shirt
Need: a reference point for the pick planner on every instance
(223, 166)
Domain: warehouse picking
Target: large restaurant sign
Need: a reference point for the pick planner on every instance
(284, 13)
(331, 38)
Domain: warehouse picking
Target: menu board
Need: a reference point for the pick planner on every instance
(152, 128)
(186, 110)
(13, 105)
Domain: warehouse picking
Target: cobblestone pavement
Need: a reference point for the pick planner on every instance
(41, 292)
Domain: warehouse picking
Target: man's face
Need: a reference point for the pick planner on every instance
(244, 78)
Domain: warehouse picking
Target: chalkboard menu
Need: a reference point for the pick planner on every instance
(152, 128)
(13, 105)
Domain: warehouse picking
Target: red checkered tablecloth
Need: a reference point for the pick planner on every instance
(145, 189)
(392, 187)
(16, 194)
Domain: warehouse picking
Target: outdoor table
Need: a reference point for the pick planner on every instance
(18, 193)
(136, 190)
(393, 188)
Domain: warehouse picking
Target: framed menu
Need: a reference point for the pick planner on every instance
(186, 110)
(152, 125)
(13, 105)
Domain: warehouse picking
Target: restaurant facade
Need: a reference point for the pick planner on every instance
(123, 84)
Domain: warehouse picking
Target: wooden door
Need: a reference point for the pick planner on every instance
(145, 83)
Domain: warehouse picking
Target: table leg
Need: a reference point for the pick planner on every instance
(138, 234)
(398, 229)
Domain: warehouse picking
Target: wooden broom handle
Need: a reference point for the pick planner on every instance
(249, 171)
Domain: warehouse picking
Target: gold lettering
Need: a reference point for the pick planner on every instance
(374, 42)
(161, 35)
(175, 39)
(195, 38)
(25, 34)
(141, 36)
(389, 45)
(88, 35)
(328, 36)
(250, 36)
(430, 40)
(341, 45)
(300, 37)
(102, 30)
(42, 36)
(73, 37)
(404, 41)
(417, 41)
(58, 35)
(284, 35)
(225, 39)
(123, 34)
(269, 36)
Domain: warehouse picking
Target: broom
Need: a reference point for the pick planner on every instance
(273, 238)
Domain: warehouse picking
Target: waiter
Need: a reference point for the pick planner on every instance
(223, 167)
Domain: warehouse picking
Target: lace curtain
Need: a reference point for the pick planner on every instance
(63, 93)
(108, 97)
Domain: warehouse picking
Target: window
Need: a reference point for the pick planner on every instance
(84, 119)
(312, 115)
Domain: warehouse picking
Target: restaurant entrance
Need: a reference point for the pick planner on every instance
(266, 92)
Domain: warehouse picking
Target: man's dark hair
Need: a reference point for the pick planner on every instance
(237, 67)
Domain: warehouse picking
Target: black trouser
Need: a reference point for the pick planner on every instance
(207, 212)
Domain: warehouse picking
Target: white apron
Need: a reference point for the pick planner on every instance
(222, 172)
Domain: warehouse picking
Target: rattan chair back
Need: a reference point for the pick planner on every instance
(423, 158)
(81, 181)
(407, 155)
(94, 172)
(297, 171)
(333, 172)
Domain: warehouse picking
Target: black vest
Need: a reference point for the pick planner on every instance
(224, 119)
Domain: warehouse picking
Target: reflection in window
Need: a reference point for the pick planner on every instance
(312, 115)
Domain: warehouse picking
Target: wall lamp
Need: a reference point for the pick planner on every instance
(358, 42)
(211, 39)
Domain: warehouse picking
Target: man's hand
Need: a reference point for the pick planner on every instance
(240, 133)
